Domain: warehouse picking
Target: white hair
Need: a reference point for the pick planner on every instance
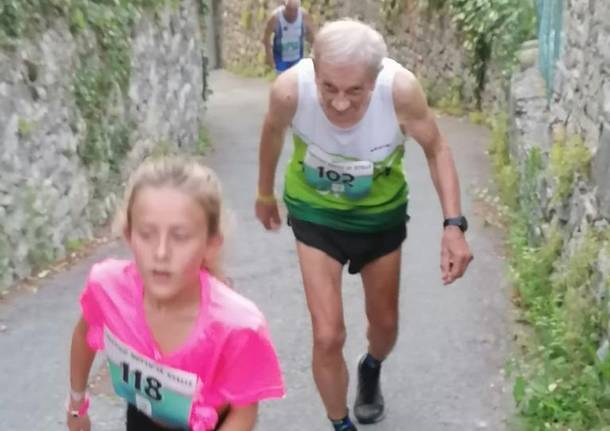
(348, 41)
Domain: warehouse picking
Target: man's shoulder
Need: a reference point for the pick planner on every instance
(285, 89)
(407, 93)
(405, 81)
(272, 20)
(402, 72)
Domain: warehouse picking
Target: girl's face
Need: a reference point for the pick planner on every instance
(169, 240)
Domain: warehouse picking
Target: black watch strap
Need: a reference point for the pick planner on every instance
(459, 221)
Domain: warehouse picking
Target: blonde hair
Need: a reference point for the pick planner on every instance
(347, 42)
(187, 175)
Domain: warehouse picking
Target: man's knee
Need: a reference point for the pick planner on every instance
(384, 322)
(329, 341)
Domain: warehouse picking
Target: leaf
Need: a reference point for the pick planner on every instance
(519, 389)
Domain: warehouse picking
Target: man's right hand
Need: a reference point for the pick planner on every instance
(268, 214)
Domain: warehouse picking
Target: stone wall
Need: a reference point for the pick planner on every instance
(581, 98)
(425, 42)
(54, 188)
(570, 129)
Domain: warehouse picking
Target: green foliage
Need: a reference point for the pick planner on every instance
(74, 245)
(492, 29)
(529, 196)
(161, 149)
(569, 159)
(203, 142)
(504, 170)
(480, 118)
(390, 11)
(104, 73)
(101, 74)
(246, 19)
(564, 385)
(561, 383)
(36, 232)
(257, 69)
(6, 251)
(24, 127)
(451, 101)
(18, 17)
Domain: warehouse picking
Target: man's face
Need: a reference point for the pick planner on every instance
(291, 11)
(344, 91)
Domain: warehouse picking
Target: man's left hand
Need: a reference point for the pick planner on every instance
(455, 254)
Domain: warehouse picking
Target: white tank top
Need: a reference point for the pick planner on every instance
(291, 35)
(373, 138)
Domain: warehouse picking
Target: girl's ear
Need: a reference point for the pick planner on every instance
(127, 234)
(215, 243)
(213, 251)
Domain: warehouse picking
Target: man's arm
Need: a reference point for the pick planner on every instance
(418, 120)
(282, 108)
(310, 28)
(269, 29)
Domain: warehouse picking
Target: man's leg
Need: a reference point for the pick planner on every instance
(322, 280)
(381, 280)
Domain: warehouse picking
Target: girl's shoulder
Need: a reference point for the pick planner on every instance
(233, 310)
(111, 273)
(110, 268)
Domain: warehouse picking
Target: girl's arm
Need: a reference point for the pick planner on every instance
(81, 359)
(240, 418)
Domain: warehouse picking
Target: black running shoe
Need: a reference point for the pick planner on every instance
(347, 427)
(369, 405)
(344, 424)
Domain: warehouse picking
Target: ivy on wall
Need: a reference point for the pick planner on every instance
(562, 382)
(493, 30)
(103, 32)
(103, 69)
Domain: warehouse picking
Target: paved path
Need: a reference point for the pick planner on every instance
(445, 374)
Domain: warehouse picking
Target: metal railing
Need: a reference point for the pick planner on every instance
(550, 32)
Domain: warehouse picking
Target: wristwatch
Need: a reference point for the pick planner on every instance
(459, 221)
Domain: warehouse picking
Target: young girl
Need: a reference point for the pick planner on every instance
(185, 351)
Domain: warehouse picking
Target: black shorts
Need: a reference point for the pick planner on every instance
(138, 421)
(356, 247)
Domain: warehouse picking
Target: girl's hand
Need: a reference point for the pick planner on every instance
(79, 423)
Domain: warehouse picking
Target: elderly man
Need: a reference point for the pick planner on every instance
(350, 108)
(289, 24)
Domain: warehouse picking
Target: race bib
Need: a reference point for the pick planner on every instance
(163, 393)
(291, 50)
(326, 173)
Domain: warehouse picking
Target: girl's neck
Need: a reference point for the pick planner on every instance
(187, 297)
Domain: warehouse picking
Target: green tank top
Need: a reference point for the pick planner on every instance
(347, 179)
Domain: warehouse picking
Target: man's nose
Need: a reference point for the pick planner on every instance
(340, 103)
